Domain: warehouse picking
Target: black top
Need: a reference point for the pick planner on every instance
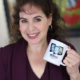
(14, 65)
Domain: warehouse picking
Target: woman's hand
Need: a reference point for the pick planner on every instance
(72, 62)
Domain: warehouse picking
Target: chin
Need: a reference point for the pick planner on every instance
(33, 41)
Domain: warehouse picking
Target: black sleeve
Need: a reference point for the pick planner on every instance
(2, 68)
(5, 56)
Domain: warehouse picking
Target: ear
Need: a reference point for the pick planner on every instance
(50, 19)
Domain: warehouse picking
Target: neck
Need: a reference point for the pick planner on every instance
(37, 48)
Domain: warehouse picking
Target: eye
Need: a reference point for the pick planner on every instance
(37, 19)
(23, 20)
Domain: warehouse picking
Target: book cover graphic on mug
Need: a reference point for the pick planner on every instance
(55, 50)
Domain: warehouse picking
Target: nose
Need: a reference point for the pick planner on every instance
(31, 27)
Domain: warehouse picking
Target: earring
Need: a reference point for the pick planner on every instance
(51, 26)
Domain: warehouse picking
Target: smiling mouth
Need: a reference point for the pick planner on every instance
(33, 36)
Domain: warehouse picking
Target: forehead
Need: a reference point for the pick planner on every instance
(31, 9)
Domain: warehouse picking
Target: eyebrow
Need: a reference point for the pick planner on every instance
(34, 17)
(23, 18)
(38, 16)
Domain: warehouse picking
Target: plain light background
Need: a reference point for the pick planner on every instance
(4, 37)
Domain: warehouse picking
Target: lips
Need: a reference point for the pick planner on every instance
(33, 35)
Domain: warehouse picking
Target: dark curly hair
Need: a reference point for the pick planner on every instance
(48, 7)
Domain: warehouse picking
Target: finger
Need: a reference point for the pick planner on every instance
(71, 51)
(71, 61)
(67, 63)
(73, 58)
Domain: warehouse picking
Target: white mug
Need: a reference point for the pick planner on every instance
(55, 52)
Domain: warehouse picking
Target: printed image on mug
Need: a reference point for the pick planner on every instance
(56, 49)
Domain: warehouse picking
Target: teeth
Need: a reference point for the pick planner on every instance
(32, 35)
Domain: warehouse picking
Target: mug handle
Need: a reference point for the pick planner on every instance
(63, 64)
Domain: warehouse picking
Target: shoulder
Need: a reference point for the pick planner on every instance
(7, 52)
(69, 44)
(7, 49)
(10, 47)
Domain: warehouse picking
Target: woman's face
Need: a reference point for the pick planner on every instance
(34, 24)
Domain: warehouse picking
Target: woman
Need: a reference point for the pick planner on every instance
(35, 23)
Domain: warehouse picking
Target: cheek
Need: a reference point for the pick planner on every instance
(44, 27)
(22, 27)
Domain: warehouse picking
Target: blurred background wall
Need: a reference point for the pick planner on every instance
(4, 35)
(76, 42)
(71, 9)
